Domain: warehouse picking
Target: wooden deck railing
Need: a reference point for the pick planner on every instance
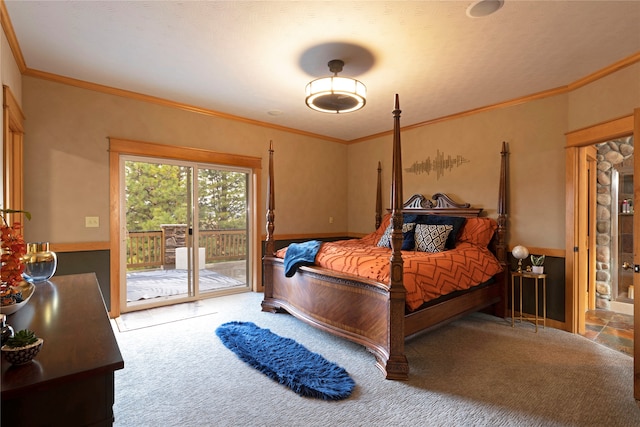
(224, 245)
(147, 248)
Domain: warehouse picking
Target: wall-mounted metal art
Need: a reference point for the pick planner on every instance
(438, 165)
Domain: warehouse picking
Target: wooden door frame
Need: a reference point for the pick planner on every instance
(12, 156)
(119, 147)
(618, 128)
(636, 261)
(586, 191)
(591, 161)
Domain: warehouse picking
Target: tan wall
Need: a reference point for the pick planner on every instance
(10, 72)
(608, 98)
(66, 160)
(535, 133)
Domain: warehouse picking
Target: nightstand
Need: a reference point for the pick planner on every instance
(537, 280)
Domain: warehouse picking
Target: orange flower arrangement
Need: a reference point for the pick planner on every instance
(13, 248)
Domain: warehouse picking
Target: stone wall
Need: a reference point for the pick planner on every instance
(174, 236)
(612, 155)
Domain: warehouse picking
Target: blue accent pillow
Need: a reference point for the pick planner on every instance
(410, 218)
(408, 241)
(455, 221)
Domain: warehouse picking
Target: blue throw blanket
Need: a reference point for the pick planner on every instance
(299, 254)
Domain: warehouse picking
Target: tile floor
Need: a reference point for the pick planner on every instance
(611, 329)
(168, 314)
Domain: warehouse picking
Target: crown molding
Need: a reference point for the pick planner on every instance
(7, 27)
(167, 103)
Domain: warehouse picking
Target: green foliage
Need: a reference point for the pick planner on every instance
(223, 201)
(158, 194)
(22, 338)
(9, 211)
(537, 260)
(13, 211)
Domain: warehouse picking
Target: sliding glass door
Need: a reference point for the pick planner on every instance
(222, 230)
(167, 258)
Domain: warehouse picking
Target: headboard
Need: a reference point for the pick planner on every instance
(441, 205)
(421, 205)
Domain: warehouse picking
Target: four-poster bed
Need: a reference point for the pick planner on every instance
(377, 310)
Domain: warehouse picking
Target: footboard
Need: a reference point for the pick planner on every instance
(357, 310)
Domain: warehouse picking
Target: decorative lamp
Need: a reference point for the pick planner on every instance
(520, 253)
(336, 94)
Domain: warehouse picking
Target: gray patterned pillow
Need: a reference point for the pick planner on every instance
(431, 238)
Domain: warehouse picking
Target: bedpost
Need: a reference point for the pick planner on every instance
(270, 247)
(397, 366)
(379, 197)
(501, 244)
(501, 234)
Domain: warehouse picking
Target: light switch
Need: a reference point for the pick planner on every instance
(92, 221)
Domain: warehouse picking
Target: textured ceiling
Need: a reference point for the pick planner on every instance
(248, 59)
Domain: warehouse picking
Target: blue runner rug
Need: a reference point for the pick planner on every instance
(287, 362)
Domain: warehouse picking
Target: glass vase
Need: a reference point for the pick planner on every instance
(6, 331)
(39, 263)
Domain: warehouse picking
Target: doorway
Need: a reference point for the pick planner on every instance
(611, 272)
(574, 269)
(199, 170)
(621, 286)
(186, 231)
(591, 217)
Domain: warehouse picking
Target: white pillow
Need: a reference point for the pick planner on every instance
(431, 238)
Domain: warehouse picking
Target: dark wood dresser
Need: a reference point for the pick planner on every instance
(71, 380)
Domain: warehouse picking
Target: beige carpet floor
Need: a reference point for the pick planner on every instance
(477, 371)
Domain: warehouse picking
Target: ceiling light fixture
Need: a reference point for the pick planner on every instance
(336, 94)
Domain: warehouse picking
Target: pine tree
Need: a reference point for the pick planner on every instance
(157, 194)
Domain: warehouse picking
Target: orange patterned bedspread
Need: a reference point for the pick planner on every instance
(426, 275)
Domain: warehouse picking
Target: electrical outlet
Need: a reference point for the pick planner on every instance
(91, 221)
(330, 220)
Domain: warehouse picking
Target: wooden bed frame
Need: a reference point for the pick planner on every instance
(370, 313)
